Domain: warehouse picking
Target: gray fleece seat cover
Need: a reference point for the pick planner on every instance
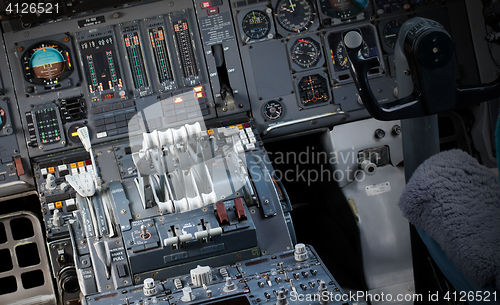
(456, 201)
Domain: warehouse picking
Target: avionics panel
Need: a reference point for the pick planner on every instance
(135, 57)
(99, 57)
(105, 68)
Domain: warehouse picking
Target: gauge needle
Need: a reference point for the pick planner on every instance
(291, 5)
(287, 9)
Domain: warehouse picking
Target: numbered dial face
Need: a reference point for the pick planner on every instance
(256, 24)
(305, 52)
(313, 90)
(295, 15)
(272, 110)
(391, 31)
(342, 9)
(3, 119)
(46, 63)
(341, 62)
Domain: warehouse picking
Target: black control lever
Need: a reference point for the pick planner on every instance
(427, 50)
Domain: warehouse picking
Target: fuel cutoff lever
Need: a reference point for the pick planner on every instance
(425, 65)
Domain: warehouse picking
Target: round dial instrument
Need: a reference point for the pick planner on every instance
(295, 15)
(46, 63)
(390, 32)
(313, 90)
(3, 119)
(305, 52)
(342, 9)
(256, 24)
(342, 63)
(273, 110)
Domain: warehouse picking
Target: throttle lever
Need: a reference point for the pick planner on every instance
(428, 51)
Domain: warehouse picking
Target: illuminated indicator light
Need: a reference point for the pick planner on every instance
(210, 131)
(239, 126)
(178, 100)
(206, 4)
(67, 57)
(246, 125)
(73, 165)
(200, 95)
(198, 89)
(88, 162)
(81, 164)
(58, 204)
(74, 134)
(406, 6)
(51, 170)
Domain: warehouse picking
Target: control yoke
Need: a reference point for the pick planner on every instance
(425, 68)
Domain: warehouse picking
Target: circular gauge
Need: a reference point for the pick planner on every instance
(342, 9)
(342, 56)
(295, 15)
(3, 119)
(256, 24)
(313, 90)
(390, 32)
(73, 134)
(272, 110)
(305, 52)
(46, 63)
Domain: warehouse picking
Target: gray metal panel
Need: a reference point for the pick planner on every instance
(24, 294)
(270, 69)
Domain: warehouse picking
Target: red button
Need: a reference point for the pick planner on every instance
(240, 210)
(221, 212)
(206, 4)
(213, 11)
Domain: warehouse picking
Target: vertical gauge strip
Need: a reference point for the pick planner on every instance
(185, 48)
(136, 59)
(93, 85)
(161, 56)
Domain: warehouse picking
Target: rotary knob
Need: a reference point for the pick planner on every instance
(201, 275)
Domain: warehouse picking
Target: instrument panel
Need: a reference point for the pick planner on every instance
(278, 62)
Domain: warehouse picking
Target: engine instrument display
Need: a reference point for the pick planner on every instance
(256, 25)
(104, 77)
(313, 90)
(47, 63)
(273, 110)
(161, 57)
(295, 15)
(133, 47)
(185, 48)
(342, 9)
(305, 52)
